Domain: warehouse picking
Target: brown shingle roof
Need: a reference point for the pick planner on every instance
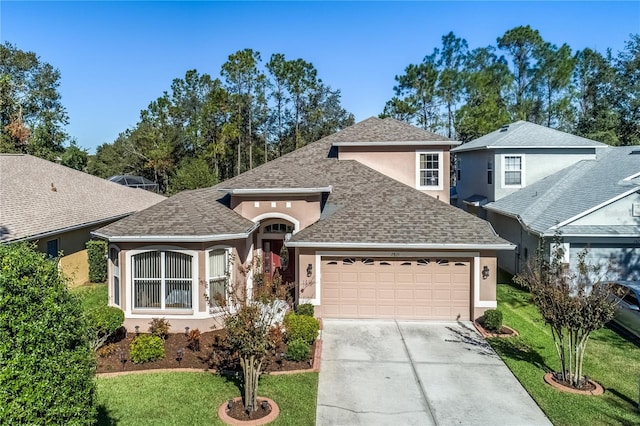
(364, 206)
(374, 129)
(39, 197)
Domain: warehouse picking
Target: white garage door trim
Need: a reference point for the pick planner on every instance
(477, 303)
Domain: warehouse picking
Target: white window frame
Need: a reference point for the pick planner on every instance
(216, 311)
(440, 184)
(167, 312)
(115, 274)
(504, 171)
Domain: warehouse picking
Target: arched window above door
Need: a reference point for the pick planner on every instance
(278, 228)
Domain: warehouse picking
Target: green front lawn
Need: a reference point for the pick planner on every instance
(193, 398)
(610, 359)
(92, 295)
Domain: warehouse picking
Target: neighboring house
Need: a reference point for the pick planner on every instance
(594, 204)
(511, 158)
(355, 242)
(57, 207)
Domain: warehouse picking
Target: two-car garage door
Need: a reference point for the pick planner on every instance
(416, 288)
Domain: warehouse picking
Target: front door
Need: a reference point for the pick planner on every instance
(273, 261)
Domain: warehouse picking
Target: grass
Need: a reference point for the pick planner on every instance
(193, 398)
(92, 295)
(610, 359)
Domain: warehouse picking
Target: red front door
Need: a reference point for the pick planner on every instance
(273, 262)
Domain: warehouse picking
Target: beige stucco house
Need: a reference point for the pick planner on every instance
(361, 216)
(57, 207)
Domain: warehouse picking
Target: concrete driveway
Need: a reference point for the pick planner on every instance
(377, 372)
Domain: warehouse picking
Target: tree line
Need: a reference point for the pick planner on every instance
(204, 129)
(465, 93)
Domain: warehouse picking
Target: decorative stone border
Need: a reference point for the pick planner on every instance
(486, 334)
(275, 412)
(599, 390)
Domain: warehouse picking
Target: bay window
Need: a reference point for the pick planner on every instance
(218, 278)
(162, 280)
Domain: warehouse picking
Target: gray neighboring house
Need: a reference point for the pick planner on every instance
(594, 204)
(57, 208)
(511, 158)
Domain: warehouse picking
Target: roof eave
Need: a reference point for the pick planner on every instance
(401, 246)
(67, 229)
(177, 238)
(397, 143)
(277, 191)
(462, 148)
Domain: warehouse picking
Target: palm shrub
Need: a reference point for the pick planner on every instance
(572, 303)
(46, 365)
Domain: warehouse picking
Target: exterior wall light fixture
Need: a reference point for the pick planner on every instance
(485, 272)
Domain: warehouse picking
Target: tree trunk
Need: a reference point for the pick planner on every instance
(251, 371)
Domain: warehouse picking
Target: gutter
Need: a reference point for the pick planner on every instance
(401, 246)
(69, 228)
(463, 149)
(271, 191)
(177, 238)
(398, 143)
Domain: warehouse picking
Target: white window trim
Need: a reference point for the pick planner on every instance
(440, 171)
(140, 313)
(114, 271)
(503, 171)
(228, 250)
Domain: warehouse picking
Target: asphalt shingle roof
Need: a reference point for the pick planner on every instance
(573, 190)
(364, 205)
(38, 196)
(375, 129)
(525, 134)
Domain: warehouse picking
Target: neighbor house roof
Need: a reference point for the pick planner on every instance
(568, 194)
(523, 134)
(361, 207)
(39, 198)
(388, 131)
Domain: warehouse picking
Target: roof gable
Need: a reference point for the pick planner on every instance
(386, 131)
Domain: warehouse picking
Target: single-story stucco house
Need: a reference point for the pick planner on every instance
(57, 207)
(357, 215)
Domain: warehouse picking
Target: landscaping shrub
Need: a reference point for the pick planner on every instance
(493, 320)
(194, 340)
(305, 309)
(159, 327)
(46, 365)
(97, 254)
(102, 322)
(146, 349)
(301, 327)
(107, 350)
(297, 350)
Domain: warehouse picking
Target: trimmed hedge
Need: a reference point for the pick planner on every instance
(493, 320)
(305, 309)
(301, 327)
(146, 348)
(46, 365)
(297, 350)
(102, 322)
(97, 254)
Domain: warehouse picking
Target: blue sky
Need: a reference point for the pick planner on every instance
(116, 57)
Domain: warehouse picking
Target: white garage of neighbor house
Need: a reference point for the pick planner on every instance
(354, 241)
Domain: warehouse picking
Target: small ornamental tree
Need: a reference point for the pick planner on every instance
(573, 304)
(248, 321)
(46, 366)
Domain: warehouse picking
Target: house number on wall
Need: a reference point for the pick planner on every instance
(395, 254)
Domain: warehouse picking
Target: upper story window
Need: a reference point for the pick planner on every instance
(278, 228)
(490, 171)
(513, 168)
(429, 170)
(162, 280)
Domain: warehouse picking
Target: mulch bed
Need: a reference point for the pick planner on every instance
(504, 331)
(213, 355)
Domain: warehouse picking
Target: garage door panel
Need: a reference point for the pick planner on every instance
(395, 288)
